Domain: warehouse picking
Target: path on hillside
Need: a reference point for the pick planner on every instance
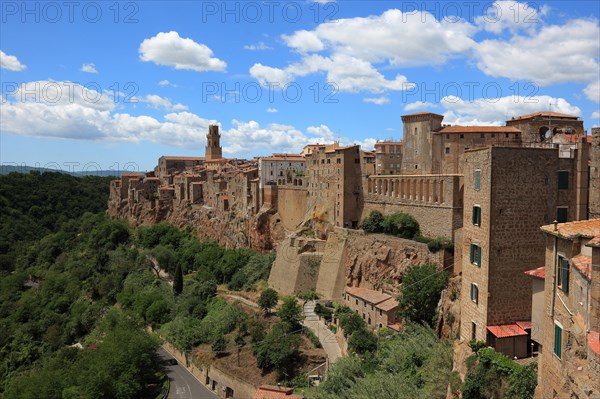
(161, 273)
(326, 337)
(239, 298)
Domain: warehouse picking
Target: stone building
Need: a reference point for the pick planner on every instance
(508, 193)
(213, 144)
(541, 127)
(280, 169)
(388, 157)
(169, 165)
(595, 174)
(569, 364)
(418, 150)
(334, 184)
(377, 309)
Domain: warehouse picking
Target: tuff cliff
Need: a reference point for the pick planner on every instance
(232, 229)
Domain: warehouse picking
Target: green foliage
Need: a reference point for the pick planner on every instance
(420, 293)
(351, 322)
(308, 295)
(436, 244)
(290, 313)
(476, 345)
(256, 269)
(267, 300)
(373, 223)
(401, 224)
(34, 204)
(312, 337)
(178, 280)
(323, 311)
(491, 374)
(279, 350)
(219, 344)
(412, 364)
(362, 341)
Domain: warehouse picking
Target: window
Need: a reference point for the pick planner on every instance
(447, 137)
(447, 150)
(462, 136)
(477, 180)
(563, 180)
(477, 215)
(474, 293)
(506, 135)
(475, 255)
(562, 214)
(557, 339)
(482, 136)
(563, 274)
(473, 330)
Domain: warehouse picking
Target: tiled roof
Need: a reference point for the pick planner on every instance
(594, 342)
(173, 158)
(506, 331)
(275, 392)
(584, 265)
(478, 129)
(546, 114)
(594, 242)
(583, 228)
(132, 174)
(540, 272)
(368, 295)
(389, 142)
(166, 189)
(152, 178)
(387, 305)
(395, 327)
(525, 325)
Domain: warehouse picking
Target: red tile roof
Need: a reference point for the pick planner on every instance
(525, 325)
(569, 230)
(173, 158)
(368, 295)
(594, 242)
(506, 331)
(387, 305)
(540, 272)
(478, 129)
(395, 327)
(273, 392)
(593, 340)
(584, 265)
(166, 189)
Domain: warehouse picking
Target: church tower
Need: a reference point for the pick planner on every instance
(213, 144)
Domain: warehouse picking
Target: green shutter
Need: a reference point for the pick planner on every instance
(565, 275)
(557, 340)
(472, 257)
(563, 180)
(477, 180)
(476, 215)
(479, 256)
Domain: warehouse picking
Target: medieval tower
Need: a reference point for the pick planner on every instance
(213, 144)
(595, 174)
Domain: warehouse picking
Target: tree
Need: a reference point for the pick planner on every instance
(420, 293)
(178, 280)
(290, 312)
(219, 344)
(351, 322)
(278, 350)
(267, 300)
(373, 222)
(362, 341)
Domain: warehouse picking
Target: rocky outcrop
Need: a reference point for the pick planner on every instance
(232, 229)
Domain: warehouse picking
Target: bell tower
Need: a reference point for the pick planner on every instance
(213, 144)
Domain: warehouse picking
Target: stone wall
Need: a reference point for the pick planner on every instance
(296, 266)
(435, 201)
(595, 174)
(291, 206)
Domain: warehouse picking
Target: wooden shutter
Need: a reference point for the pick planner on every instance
(565, 275)
(557, 340)
(477, 180)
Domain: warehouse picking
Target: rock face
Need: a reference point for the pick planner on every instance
(378, 261)
(261, 232)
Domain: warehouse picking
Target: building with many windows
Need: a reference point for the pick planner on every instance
(569, 364)
(508, 193)
(388, 157)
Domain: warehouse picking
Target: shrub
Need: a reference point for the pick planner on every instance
(290, 313)
(323, 311)
(312, 337)
(373, 223)
(267, 300)
(362, 341)
(402, 225)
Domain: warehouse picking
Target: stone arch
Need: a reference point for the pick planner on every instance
(543, 132)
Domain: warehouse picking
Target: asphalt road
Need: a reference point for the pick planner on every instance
(183, 384)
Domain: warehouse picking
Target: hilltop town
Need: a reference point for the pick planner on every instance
(520, 204)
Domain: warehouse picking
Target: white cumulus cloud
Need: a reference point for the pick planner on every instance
(377, 100)
(10, 62)
(168, 48)
(158, 102)
(418, 105)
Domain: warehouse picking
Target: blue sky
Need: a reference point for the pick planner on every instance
(118, 84)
